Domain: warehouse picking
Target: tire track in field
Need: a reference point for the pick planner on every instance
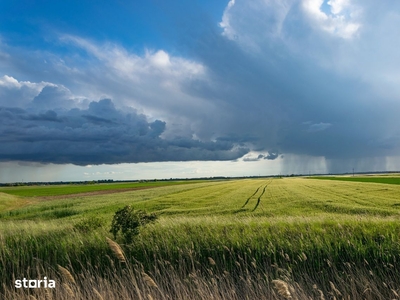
(259, 197)
(248, 199)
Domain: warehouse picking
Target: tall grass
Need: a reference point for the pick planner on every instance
(207, 258)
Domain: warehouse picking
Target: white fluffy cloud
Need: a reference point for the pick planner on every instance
(154, 83)
(135, 67)
(18, 93)
(341, 20)
(253, 23)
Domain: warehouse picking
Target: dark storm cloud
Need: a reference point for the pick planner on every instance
(272, 156)
(99, 134)
(269, 156)
(301, 83)
(247, 159)
(49, 115)
(98, 120)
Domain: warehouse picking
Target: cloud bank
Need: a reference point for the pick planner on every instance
(47, 132)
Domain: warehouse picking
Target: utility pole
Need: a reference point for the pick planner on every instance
(353, 172)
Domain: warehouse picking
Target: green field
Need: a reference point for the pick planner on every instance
(376, 179)
(227, 239)
(56, 190)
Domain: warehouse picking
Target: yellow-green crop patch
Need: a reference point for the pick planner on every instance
(255, 197)
(8, 202)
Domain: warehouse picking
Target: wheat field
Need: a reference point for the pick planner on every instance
(281, 238)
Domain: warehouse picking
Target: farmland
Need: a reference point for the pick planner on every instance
(49, 190)
(376, 179)
(231, 239)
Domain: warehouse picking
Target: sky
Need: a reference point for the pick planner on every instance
(140, 89)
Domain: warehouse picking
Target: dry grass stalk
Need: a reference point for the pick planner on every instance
(69, 290)
(148, 280)
(98, 295)
(66, 274)
(282, 288)
(321, 295)
(367, 290)
(211, 261)
(226, 248)
(47, 294)
(304, 256)
(395, 293)
(117, 250)
(333, 287)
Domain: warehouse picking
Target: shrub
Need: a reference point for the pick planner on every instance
(129, 221)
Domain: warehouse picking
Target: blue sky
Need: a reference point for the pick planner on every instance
(155, 89)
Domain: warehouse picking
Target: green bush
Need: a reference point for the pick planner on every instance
(129, 221)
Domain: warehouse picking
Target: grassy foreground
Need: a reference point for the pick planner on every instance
(243, 239)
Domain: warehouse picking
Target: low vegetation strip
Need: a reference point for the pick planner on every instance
(69, 189)
(376, 179)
